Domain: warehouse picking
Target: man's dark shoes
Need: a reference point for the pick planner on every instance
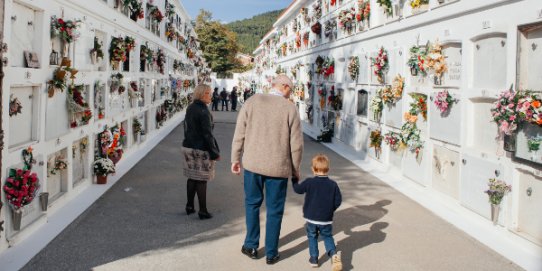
(273, 260)
(204, 215)
(189, 210)
(250, 252)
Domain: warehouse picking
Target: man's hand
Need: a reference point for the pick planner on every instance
(236, 168)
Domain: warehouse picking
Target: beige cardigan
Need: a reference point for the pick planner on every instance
(268, 136)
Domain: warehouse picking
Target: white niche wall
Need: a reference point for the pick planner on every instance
(445, 171)
(446, 127)
(482, 131)
(530, 57)
(80, 160)
(57, 183)
(489, 61)
(23, 127)
(454, 54)
(529, 191)
(26, 34)
(57, 120)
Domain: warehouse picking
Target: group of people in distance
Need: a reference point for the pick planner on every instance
(267, 149)
(225, 98)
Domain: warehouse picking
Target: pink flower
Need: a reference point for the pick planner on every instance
(512, 118)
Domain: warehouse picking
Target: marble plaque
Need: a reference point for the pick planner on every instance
(80, 162)
(57, 122)
(394, 114)
(530, 52)
(489, 63)
(22, 126)
(364, 71)
(482, 132)
(22, 34)
(446, 171)
(446, 127)
(417, 167)
(453, 53)
(529, 202)
(362, 102)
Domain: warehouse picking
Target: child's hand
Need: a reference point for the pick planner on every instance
(295, 179)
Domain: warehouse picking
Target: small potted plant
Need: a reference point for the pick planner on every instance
(103, 167)
(497, 190)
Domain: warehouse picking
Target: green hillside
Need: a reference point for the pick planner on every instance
(251, 31)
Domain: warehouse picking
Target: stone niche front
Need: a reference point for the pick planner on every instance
(32, 211)
(57, 121)
(362, 102)
(24, 36)
(396, 63)
(99, 99)
(446, 171)
(80, 160)
(482, 131)
(530, 57)
(489, 63)
(529, 202)
(394, 114)
(57, 182)
(475, 174)
(446, 127)
(23, 126)
(118, 102)
(348, 129)
(417, 167)
(453, 52)
(362, 137)
(349, 101)
(364, 70)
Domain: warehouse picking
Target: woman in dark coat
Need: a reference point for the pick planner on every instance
(200, 150)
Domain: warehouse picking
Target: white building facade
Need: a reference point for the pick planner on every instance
(409, 87)
(74, 70)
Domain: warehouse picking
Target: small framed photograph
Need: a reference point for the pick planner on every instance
(32, 59)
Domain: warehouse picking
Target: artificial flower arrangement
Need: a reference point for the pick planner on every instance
(444, 101)
(346, 19)
(161, 60)
(497, 190)
(305, 14)
(375, 141)
(15, 106)
(392, 94)
(410, 134)
(317, 9)
(60, 77)
(297, 40)
(317, 29)
(103, 166)
(419, 105)
(22, 185)
(65, 29)
(418, 3)
(78, 106)
(116, 82)
(117, 51)
(416, 62)
(533, 144)
(146, 54)
(353, 68)
(111, 144)
(155, 13)
(59, 165)
(335, 100)
(137, 128)
(171, 32)
(97, 52)
(330, 27)
(306, 39)
(333, 2)
(170, 10)
(319, 65)
(133, 92)
(283, 48)
(364, 10)
(512, 107)
(377, 106)
(329, 67)
(387, 6)
(380, 64)
(136, 9)
(393, 140)
(436, 61)
(322, 92)
(129, 43)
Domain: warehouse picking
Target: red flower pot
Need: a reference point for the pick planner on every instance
(101, 179)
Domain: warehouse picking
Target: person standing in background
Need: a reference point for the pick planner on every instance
(224, 98)
(233, 97)
(216, 99)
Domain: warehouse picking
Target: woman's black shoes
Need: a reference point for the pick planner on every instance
(190, 210)
(204, 215)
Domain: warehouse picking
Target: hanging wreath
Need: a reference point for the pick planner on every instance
(60, 164)
(22, 185)
(78, 106)
(15, 106)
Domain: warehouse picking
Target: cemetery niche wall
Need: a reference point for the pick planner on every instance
(421, 87)
(72, 75)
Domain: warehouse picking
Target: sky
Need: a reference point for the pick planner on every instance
(228, 11)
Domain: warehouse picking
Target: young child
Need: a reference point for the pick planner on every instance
(322, 198)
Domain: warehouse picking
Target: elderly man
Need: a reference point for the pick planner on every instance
(268, 136)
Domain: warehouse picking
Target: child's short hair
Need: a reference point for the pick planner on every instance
(320, 163)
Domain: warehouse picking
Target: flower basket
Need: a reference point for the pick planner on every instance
(101, 179)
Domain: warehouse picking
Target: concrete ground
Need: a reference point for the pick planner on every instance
(140, 223)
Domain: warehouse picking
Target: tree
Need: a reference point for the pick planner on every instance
(218, 44)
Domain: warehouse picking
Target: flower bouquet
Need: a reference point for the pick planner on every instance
(129, 43)
(66, 30)
(436, 62)
(376, 142)
(329, 28)
(15, 106)
(380, 64)
(117, 51)
(317, 28)
(364, 11)
(417, 4)
(416, 62)
(387, 6)
(410, 134)
(510, 108)
(444, 101)
(59, 165)
(496, 192)
(136, 9)
(353, 68)
(376, 107)
(346, 19)
(96, 52)
(393, 140)
(155, 13)
(317, 9)
(329, 68)
(419, 105)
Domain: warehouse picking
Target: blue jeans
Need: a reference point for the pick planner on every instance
(275, 192)
(326, 232)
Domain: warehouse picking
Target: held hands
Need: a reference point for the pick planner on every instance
(236, 168)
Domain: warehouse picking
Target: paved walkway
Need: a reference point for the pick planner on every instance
(140, 224)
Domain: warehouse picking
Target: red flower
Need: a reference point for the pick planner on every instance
(60, 21)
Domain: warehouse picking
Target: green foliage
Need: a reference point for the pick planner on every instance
(251, 31)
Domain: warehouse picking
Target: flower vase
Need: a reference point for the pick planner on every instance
(413, 71)
(134, 16)
(138, 138)
(495, 209)
(44, 201)
(94, 57)
(510, 142)
(66, 50)
(17, 217)
(101, 179)
(437, 80)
